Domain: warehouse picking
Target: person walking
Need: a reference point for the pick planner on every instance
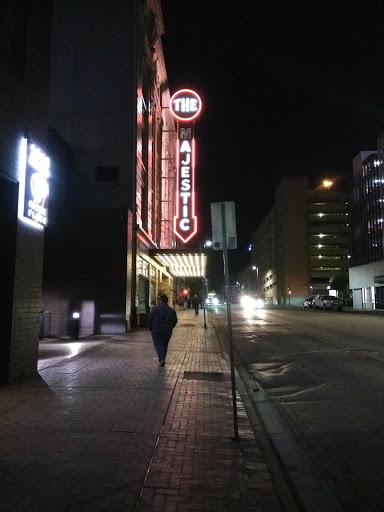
(161, 321)
(196, 303)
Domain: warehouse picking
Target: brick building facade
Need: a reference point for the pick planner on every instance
(113, 142)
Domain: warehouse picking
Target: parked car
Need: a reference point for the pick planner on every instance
(328, 302)
(308, 302)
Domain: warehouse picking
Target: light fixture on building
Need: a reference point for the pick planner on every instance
(183, 264)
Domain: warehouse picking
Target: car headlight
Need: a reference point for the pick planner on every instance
(215, 301)
(250, 302)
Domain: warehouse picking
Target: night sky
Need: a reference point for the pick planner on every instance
(285, 92)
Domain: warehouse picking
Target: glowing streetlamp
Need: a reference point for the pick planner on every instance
(207, 243)
(254, 267)
(327, 184)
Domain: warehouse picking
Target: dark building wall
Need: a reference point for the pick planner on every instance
(24, 79)
(8, 214)
(93, 97)
(84, 269)
(93, 129)
(110, 107)
(291, 204)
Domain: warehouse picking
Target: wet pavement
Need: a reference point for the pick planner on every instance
(104, 428)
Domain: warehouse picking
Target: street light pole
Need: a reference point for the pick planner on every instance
(254, 267)
(204, 305)
(208, 243)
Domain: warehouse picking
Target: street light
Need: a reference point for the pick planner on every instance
(254, 267)
(74, 325)
(207, 243)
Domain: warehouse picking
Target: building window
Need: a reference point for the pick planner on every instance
(105, 174)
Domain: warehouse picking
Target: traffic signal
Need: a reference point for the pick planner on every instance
(289, 292)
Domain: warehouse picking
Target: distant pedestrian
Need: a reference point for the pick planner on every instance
(196, 304)
(161, 321)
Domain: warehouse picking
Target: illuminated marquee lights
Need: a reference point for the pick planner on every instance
(185, 107)
(190, 265)
(33, 189)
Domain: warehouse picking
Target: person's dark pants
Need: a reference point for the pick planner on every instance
(197, 310)
(160, 340)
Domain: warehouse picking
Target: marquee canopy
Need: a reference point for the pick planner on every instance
(182, 262)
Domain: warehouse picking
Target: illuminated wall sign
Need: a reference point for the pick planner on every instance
(185, 107)
(34, 188)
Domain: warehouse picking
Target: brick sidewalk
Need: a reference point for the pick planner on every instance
(110, 430)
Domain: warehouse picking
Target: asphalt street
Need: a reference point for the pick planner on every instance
(316, 379)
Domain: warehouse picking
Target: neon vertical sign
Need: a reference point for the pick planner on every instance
(185, 108)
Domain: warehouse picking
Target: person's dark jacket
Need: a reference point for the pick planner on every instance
(195, 302)
(162, 318)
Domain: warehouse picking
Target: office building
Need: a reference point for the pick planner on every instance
(302, 246)
(366, 275)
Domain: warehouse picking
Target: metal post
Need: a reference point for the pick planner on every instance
(230, 337)
(204, 304)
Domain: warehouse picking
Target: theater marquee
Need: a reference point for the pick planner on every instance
(185, 108)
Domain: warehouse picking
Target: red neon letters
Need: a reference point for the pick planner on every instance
(185, 107)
